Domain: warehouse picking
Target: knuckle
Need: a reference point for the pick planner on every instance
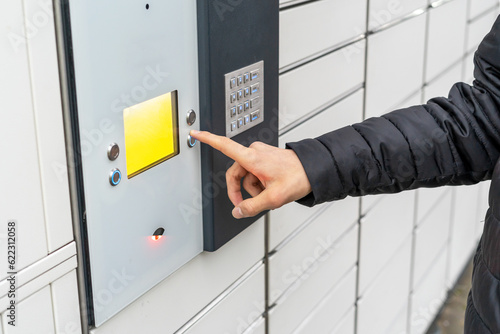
(252, 155)
(256, 144)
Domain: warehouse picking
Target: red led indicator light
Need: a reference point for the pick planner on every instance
(158, 234)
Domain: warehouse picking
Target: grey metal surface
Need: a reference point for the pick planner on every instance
(113, 151)
(125, 54)
(191, 117)
(236, 85)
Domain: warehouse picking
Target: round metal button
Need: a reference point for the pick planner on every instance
(191, 141)
(113, 151)
(191, 117)
(115, 177)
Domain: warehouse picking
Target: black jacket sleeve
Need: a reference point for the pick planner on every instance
(448, 141)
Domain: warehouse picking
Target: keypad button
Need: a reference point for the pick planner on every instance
(254, 89)
(233, 126)
(240, 122)
(254, 75)
(247, 119)
(255, 115)
(232, 83)
(240, 94)
(240, 108)
(240, 80)
(246, 105)
(233, 97)
(233, 111)
(246, 77)
(246, 91)
(254, 102)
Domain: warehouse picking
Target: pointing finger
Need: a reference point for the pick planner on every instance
(227, 146)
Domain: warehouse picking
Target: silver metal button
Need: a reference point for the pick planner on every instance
(255, 115)
(254, 102)
(254, 89)
(254, 75)
(113, 151)
(191, 117)
(191, 141)
(115, 176)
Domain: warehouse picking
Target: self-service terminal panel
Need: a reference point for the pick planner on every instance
(141, 75)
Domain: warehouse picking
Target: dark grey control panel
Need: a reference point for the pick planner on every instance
(244, 98)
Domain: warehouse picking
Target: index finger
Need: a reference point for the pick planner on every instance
(227, 146)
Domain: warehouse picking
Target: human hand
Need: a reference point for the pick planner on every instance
(271, 175)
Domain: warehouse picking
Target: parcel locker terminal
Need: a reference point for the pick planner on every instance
(177, 66)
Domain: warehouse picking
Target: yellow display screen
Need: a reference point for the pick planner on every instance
(151, 133)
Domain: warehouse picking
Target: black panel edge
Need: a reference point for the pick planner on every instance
(205, 119)
(64, 40)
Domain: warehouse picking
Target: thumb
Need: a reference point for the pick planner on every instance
(253, 206)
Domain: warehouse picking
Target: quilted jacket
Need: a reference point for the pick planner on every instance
(448, 141)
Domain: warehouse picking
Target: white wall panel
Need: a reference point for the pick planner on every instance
(469, 68)
(463, 230)
(329, 312)
(311, 86)
(478, 7)
(186, 292)
(34, 315)
(478, 29)
(317, 26)
(21, 195)
(428, 200)
(293, 308)
(288, 218)
(390, 79)
(386, 11)
(258, 327)
(400, 321)
(66, 304)
(446, 36)
(388, 292)
(383, 230)
(237, 311)
(49, 123)
(346, 325)
(428, 297)
(442, 84)
(431, 238)
(294, 258)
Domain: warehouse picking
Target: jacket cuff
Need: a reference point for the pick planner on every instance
(320, 169)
